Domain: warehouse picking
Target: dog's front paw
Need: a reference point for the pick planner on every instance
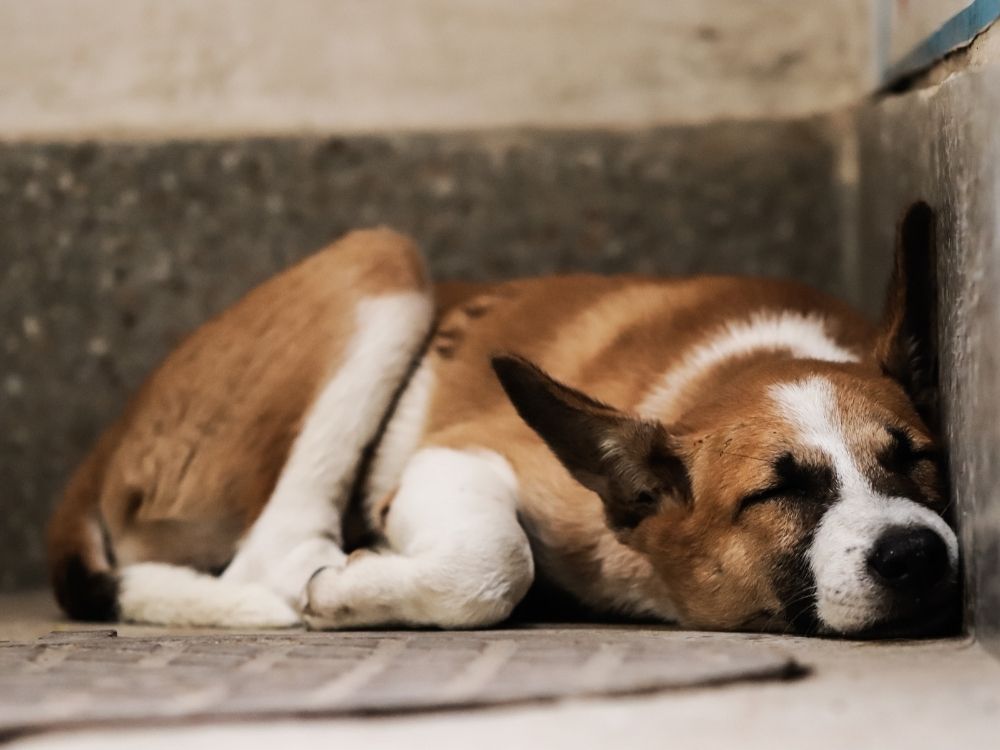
(352, 595)
(322, 608)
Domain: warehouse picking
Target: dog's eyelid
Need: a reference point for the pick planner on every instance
(765, 494)
(908, 449)
(914, 440)
(792, 480)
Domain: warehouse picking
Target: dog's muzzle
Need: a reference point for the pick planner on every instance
(909, 561)
(913, 568)
(885, 568)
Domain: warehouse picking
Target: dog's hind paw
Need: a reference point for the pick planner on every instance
(352, 596)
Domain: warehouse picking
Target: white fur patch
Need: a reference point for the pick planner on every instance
(161, 594)
(457, 558)
(805, 336)
(299, 528)
(402, 435)
(847, 598)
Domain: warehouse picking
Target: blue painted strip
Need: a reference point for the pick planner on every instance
(957, 30)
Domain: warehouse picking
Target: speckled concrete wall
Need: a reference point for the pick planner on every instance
(941, 144)
(111, 252)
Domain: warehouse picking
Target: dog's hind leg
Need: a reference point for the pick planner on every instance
(377, 285)
(457, 557)
(299, 529)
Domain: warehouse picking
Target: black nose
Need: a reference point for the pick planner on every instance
(909, 559)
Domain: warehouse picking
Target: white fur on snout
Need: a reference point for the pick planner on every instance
(847, 598)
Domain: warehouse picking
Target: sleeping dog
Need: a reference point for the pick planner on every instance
(349, 446)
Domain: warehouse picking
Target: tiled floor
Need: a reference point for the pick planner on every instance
(932, 694)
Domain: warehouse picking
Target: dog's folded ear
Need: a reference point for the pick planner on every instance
(906, 348)
(630, 463)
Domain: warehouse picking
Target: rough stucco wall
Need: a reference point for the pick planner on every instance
(942, 144)
(147, 68)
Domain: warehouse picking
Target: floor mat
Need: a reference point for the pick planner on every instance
(95, 677)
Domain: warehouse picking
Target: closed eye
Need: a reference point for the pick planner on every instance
(902, 454)
(924, 454)
(793, 480)
(764, 495)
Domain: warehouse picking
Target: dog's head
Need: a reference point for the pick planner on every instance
(806, 498)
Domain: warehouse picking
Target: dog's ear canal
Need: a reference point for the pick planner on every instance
(628, 462)
(907, 346)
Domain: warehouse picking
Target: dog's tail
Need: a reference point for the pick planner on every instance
(90, 586)
(81, 563)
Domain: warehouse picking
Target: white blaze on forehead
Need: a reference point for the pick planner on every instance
(810, 405)
(804, 336)
(847, 598)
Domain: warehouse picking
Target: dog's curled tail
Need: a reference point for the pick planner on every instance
(90, 586)
(80, 564)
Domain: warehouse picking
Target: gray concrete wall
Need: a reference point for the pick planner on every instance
(941, 144)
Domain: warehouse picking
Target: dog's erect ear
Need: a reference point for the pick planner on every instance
(628, 462)
(906, 348)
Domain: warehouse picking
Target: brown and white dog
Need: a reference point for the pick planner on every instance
(721, 452)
